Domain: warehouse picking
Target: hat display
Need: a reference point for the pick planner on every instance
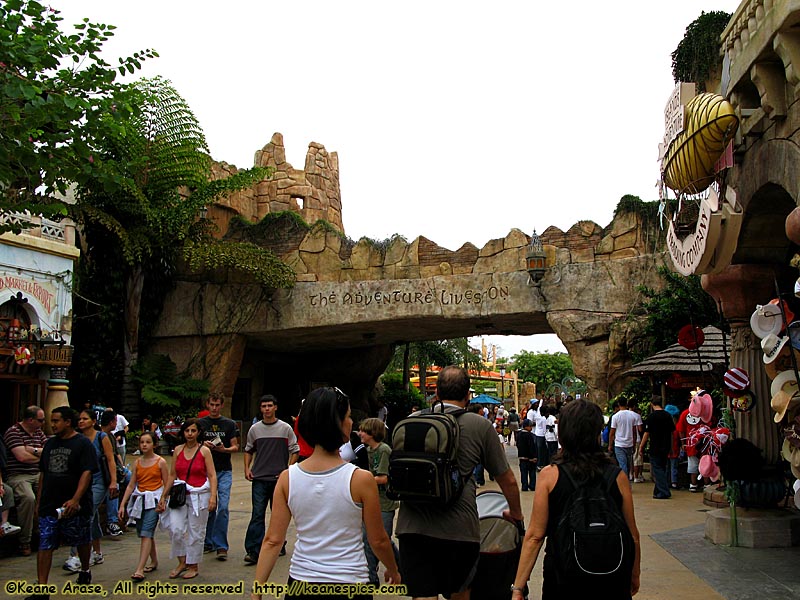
(691, 337)
(702, 406)
(782, 362)
(780, 379)
(788, 395)
(794, 333)
(745, 402)
(772, 345)
(736, 382)
(768, 319)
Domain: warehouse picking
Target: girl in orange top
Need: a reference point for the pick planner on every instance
(150, 474)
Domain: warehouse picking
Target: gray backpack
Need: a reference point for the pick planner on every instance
(422, 468)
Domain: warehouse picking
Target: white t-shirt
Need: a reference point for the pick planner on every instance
(624, 422)
(122, 423)
(550, 433)
(540, 425)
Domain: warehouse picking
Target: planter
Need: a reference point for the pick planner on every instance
(765, 493)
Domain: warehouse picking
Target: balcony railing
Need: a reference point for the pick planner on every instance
(38, 226)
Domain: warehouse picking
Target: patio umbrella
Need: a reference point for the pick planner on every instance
(484, 399)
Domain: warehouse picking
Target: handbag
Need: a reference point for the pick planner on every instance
(177, 494)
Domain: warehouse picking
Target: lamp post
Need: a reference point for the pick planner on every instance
(502, 382)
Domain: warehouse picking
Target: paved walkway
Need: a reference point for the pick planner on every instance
(666, 526)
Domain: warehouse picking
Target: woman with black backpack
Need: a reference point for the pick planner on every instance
(584, 507)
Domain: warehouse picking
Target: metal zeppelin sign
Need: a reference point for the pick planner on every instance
(697, 130)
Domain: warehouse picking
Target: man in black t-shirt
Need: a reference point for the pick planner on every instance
(221, 436)
(64, 503)
(658, 428)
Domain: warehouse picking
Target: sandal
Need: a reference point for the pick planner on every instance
(151, 568)
(190, 574)
(177, 572)
(137, 577)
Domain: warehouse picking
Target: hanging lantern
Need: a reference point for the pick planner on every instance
(536, 260)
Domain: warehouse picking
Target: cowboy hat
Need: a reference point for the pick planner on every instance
(780, 379)
(787, 395)
(772, 346)
(768, 319)
(702, 406)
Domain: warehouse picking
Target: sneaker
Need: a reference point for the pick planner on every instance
(84, 578)
(222, 554)
(250, 559)
(97, 559)
(131, 522)
(207, 549)
(72, 564)
(8, 529)
(137, 453)
(674, 486)
(694, 488)
(639, 480)
(283, 550)
(114, 530)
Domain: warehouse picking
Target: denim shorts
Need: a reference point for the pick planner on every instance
(72, 531)
(146, 524)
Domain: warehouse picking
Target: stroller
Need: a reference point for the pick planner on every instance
(501, 544)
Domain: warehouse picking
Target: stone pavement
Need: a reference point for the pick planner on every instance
(668, 528)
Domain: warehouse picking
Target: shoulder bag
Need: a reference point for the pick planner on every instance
(177, 495)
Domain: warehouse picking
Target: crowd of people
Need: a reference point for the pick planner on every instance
(309, 471)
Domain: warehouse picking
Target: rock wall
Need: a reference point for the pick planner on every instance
(312, 192)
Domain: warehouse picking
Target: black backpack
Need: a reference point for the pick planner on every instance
(592, 538)
(422, 467)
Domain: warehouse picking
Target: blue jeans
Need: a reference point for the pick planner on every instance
(658, 465)
(527, 473)
(217, 527)
(624, 459)
(260, 496)
(112, 504)
(673, 468)
(372, 560)
(479, 475)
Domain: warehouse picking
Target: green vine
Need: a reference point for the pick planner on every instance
(697, 56)
(259, 263)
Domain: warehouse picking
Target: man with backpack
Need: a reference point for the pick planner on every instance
(440, 538)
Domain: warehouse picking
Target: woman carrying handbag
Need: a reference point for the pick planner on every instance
(194, 467)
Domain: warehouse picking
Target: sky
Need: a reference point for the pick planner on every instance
(454, 120)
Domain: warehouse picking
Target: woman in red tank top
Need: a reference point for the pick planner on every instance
(187, 524)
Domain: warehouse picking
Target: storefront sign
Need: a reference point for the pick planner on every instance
(55, 355)
(674, 116)
(710, 248)
(43, 292)
(443, 297)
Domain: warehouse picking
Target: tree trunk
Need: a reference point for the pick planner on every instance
(131, 406)
(406, 373)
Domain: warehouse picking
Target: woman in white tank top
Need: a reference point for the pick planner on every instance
(328, 498)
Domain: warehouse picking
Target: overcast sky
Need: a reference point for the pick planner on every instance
(454, 120)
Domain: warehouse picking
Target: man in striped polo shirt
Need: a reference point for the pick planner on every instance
(271, 447)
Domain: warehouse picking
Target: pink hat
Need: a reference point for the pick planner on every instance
(702, 406)
(708, 467)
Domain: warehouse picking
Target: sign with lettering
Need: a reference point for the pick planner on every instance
(54, 355)
(397, 296)
(712, 244)
(43, 291)
(674, 115)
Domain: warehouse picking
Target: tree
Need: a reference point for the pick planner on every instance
(56, 89)
(143, 202)
(681, 302)
(542, 368)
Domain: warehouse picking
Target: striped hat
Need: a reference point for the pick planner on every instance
(736, 382)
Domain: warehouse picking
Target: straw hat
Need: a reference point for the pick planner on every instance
(788, 395)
